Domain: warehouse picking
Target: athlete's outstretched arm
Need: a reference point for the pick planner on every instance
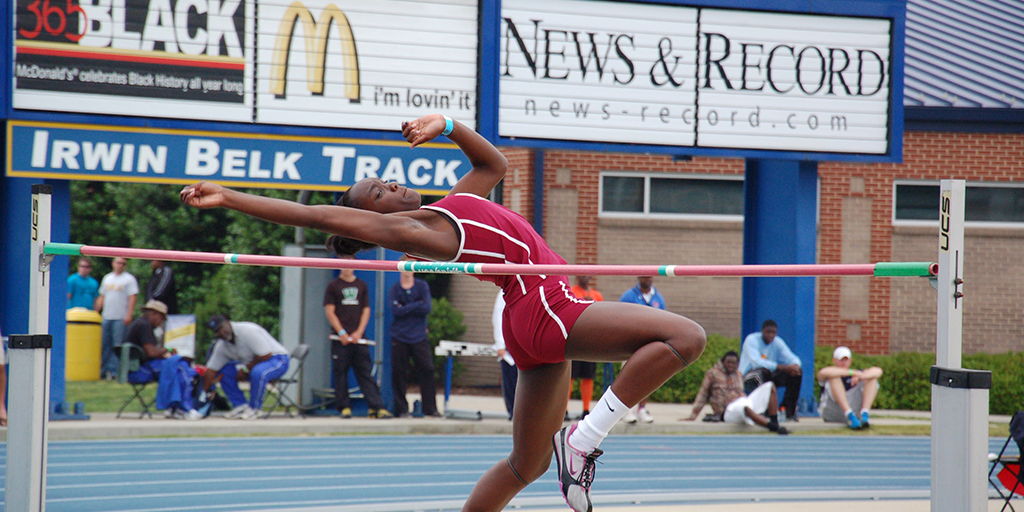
(400, 231)
(489, 165)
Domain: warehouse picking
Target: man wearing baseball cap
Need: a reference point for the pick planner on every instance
(174, 373)
(845, 390)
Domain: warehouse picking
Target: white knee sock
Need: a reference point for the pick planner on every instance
(595, 427)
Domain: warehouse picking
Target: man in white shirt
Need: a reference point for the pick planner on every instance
(262, 358)
(116, 303)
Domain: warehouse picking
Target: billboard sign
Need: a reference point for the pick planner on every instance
(146, 155)
(168, 58)
(371, 65)
(694, 77)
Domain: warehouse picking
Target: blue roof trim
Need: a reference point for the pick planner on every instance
(967, 120)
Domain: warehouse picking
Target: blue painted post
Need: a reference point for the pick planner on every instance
(14, 273)
(780, 207)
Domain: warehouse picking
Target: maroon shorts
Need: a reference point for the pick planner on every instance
(535, 326)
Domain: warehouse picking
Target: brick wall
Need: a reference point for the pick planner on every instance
(901, 315)
(874, 316)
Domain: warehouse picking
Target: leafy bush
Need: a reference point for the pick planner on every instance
(904, 384)
(444, 323)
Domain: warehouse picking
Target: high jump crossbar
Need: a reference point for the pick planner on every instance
(881, 269)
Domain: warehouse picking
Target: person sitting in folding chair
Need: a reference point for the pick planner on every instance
(263, 359)
(1010, 475)
(174, 372)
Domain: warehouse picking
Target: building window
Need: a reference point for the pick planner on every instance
(658, 195)
(999, 204)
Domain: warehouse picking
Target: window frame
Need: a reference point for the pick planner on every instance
(646, 213)
(967, 223)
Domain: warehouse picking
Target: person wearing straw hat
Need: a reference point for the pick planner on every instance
(847, 394)
(544, 325)
(174, 372)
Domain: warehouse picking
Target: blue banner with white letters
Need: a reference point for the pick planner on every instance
(146, 155)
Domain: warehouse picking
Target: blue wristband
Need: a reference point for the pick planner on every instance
(448, 126)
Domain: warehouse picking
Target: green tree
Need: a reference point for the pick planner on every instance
(151, 216)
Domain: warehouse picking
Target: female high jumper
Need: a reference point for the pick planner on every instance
(545, 325)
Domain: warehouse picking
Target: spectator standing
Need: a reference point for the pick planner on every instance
(723, 389)
(174, 373)
(845, 390)
(509, 372)
(765, 356)
(410, 304)
(348, 311)
(161, 286)
(261, 357)
(116, 304)
(646, 294)
(585, 371)
(82, 287)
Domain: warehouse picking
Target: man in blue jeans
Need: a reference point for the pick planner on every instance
(116, 304)
(261, 357)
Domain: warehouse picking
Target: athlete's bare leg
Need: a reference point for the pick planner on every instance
(654, 343)
(540, 407)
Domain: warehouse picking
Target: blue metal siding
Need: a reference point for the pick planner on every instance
(964, 54)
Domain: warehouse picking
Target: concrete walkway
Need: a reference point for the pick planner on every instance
(667, 421)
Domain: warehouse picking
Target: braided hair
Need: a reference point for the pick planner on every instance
(344, 246)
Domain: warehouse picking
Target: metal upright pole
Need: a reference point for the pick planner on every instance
(30, 376)
(959, 434)
(949, 342)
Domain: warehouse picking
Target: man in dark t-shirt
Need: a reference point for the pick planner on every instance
(173, 373)
(348, 311)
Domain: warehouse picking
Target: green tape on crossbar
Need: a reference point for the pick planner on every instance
(63, 249)
(900, 269)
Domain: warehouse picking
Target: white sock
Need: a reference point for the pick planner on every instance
(848, 411)
(864, 410)
(595, 427)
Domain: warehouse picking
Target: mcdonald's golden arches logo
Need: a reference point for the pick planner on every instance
(315, 36)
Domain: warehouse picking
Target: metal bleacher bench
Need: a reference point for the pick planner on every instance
(450, 349)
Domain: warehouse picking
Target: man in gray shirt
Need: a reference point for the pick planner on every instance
(243, 351)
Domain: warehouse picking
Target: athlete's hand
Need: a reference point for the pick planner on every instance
(203, 195)
(424, 129)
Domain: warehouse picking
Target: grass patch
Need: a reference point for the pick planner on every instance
(106, 395)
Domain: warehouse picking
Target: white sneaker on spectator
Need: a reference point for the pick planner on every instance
(644, 415)
(237, 412)
(251, 414)
(192, 415)
(169, 413)
(630, 416)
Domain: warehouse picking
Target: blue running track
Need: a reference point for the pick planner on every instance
(410, 473)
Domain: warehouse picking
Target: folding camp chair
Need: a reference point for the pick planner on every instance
(279, 387)
(131, 356)
(1010, 475)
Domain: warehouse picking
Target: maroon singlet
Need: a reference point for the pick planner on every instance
(539, 310)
